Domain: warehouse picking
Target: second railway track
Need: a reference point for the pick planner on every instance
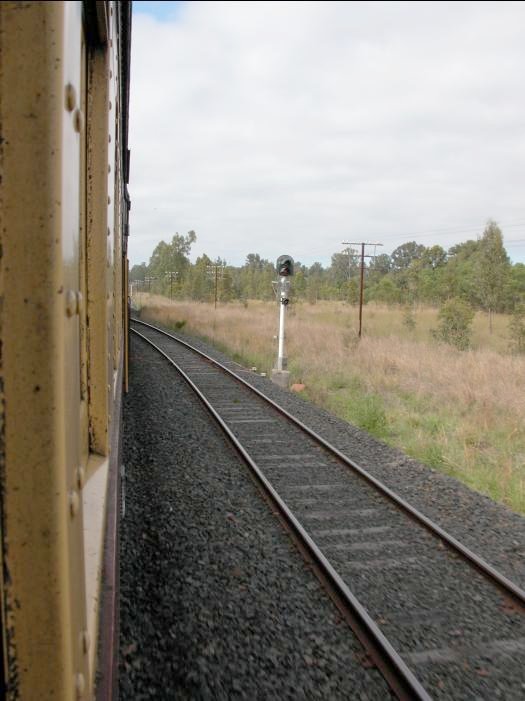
(439, 621)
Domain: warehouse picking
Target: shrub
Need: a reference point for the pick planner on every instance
(455, 324)
(409, 321)
(517, 329)
(370, 415)
(179, 324)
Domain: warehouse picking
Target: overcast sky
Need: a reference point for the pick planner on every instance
(276, 127)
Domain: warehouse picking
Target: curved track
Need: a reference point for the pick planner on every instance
(361, 535)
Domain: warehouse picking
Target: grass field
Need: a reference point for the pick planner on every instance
(461, 412)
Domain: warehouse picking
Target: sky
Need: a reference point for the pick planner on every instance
(292, 127)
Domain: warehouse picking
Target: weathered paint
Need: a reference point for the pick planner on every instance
(97, 244)
(43, 541)
(60, 329)
(84, 393)
(94, 502)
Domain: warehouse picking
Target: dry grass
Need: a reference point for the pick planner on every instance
(383, 321)
(460, 412)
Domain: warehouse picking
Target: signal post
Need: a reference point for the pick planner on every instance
(280, 374)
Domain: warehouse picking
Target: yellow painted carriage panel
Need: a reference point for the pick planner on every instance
(98, 233)
(84, 417)
(72, 134)
(43, 524)
(113, 228)
(61, 333)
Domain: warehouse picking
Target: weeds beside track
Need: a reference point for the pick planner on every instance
(462, 413)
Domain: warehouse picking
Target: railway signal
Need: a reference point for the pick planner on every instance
(285, 269)
(285, 266)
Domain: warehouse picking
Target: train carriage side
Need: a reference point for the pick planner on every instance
(64, 163)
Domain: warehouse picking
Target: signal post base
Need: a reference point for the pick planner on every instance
(281, 378)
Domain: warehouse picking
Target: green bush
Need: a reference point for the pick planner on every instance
(178, 324)
(517, 329)
(409, 321)
(370, 415)
(455, 324)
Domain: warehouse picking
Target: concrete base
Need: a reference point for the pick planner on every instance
(281, 378)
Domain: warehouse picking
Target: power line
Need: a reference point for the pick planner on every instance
(451, 230)
(468, 229)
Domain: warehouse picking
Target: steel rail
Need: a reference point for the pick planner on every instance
(400, 678)
(506, 585)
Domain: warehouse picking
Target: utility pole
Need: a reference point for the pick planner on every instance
(362, 275)
(149, 280)
(172, 274)
(213, 270)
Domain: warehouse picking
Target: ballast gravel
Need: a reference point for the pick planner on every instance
(216, 603)
(491, 530)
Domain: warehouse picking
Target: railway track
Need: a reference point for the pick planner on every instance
(435, 618)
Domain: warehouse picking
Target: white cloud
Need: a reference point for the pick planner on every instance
(290, 127)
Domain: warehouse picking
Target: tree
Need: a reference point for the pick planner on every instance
(226, 286)
(380, 265)
(299, 285)
(342, 267)
(159, 261)
(405, 271)
(433, 257)
(254, 262)
(493, 266)
(264, 288)
(403, 255)
(199, 284)
(315, 270)
(421, 280)
(171, 257)
(458, 276)
(250, 280)
(314, 282)
(350, 291)
(386, 291)
(516, 285)
(464, 250)
(339, 280)
(138, 272)
(431, 285)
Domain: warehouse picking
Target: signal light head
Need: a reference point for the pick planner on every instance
(284, 266)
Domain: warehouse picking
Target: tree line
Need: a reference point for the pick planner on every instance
(478, 272)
